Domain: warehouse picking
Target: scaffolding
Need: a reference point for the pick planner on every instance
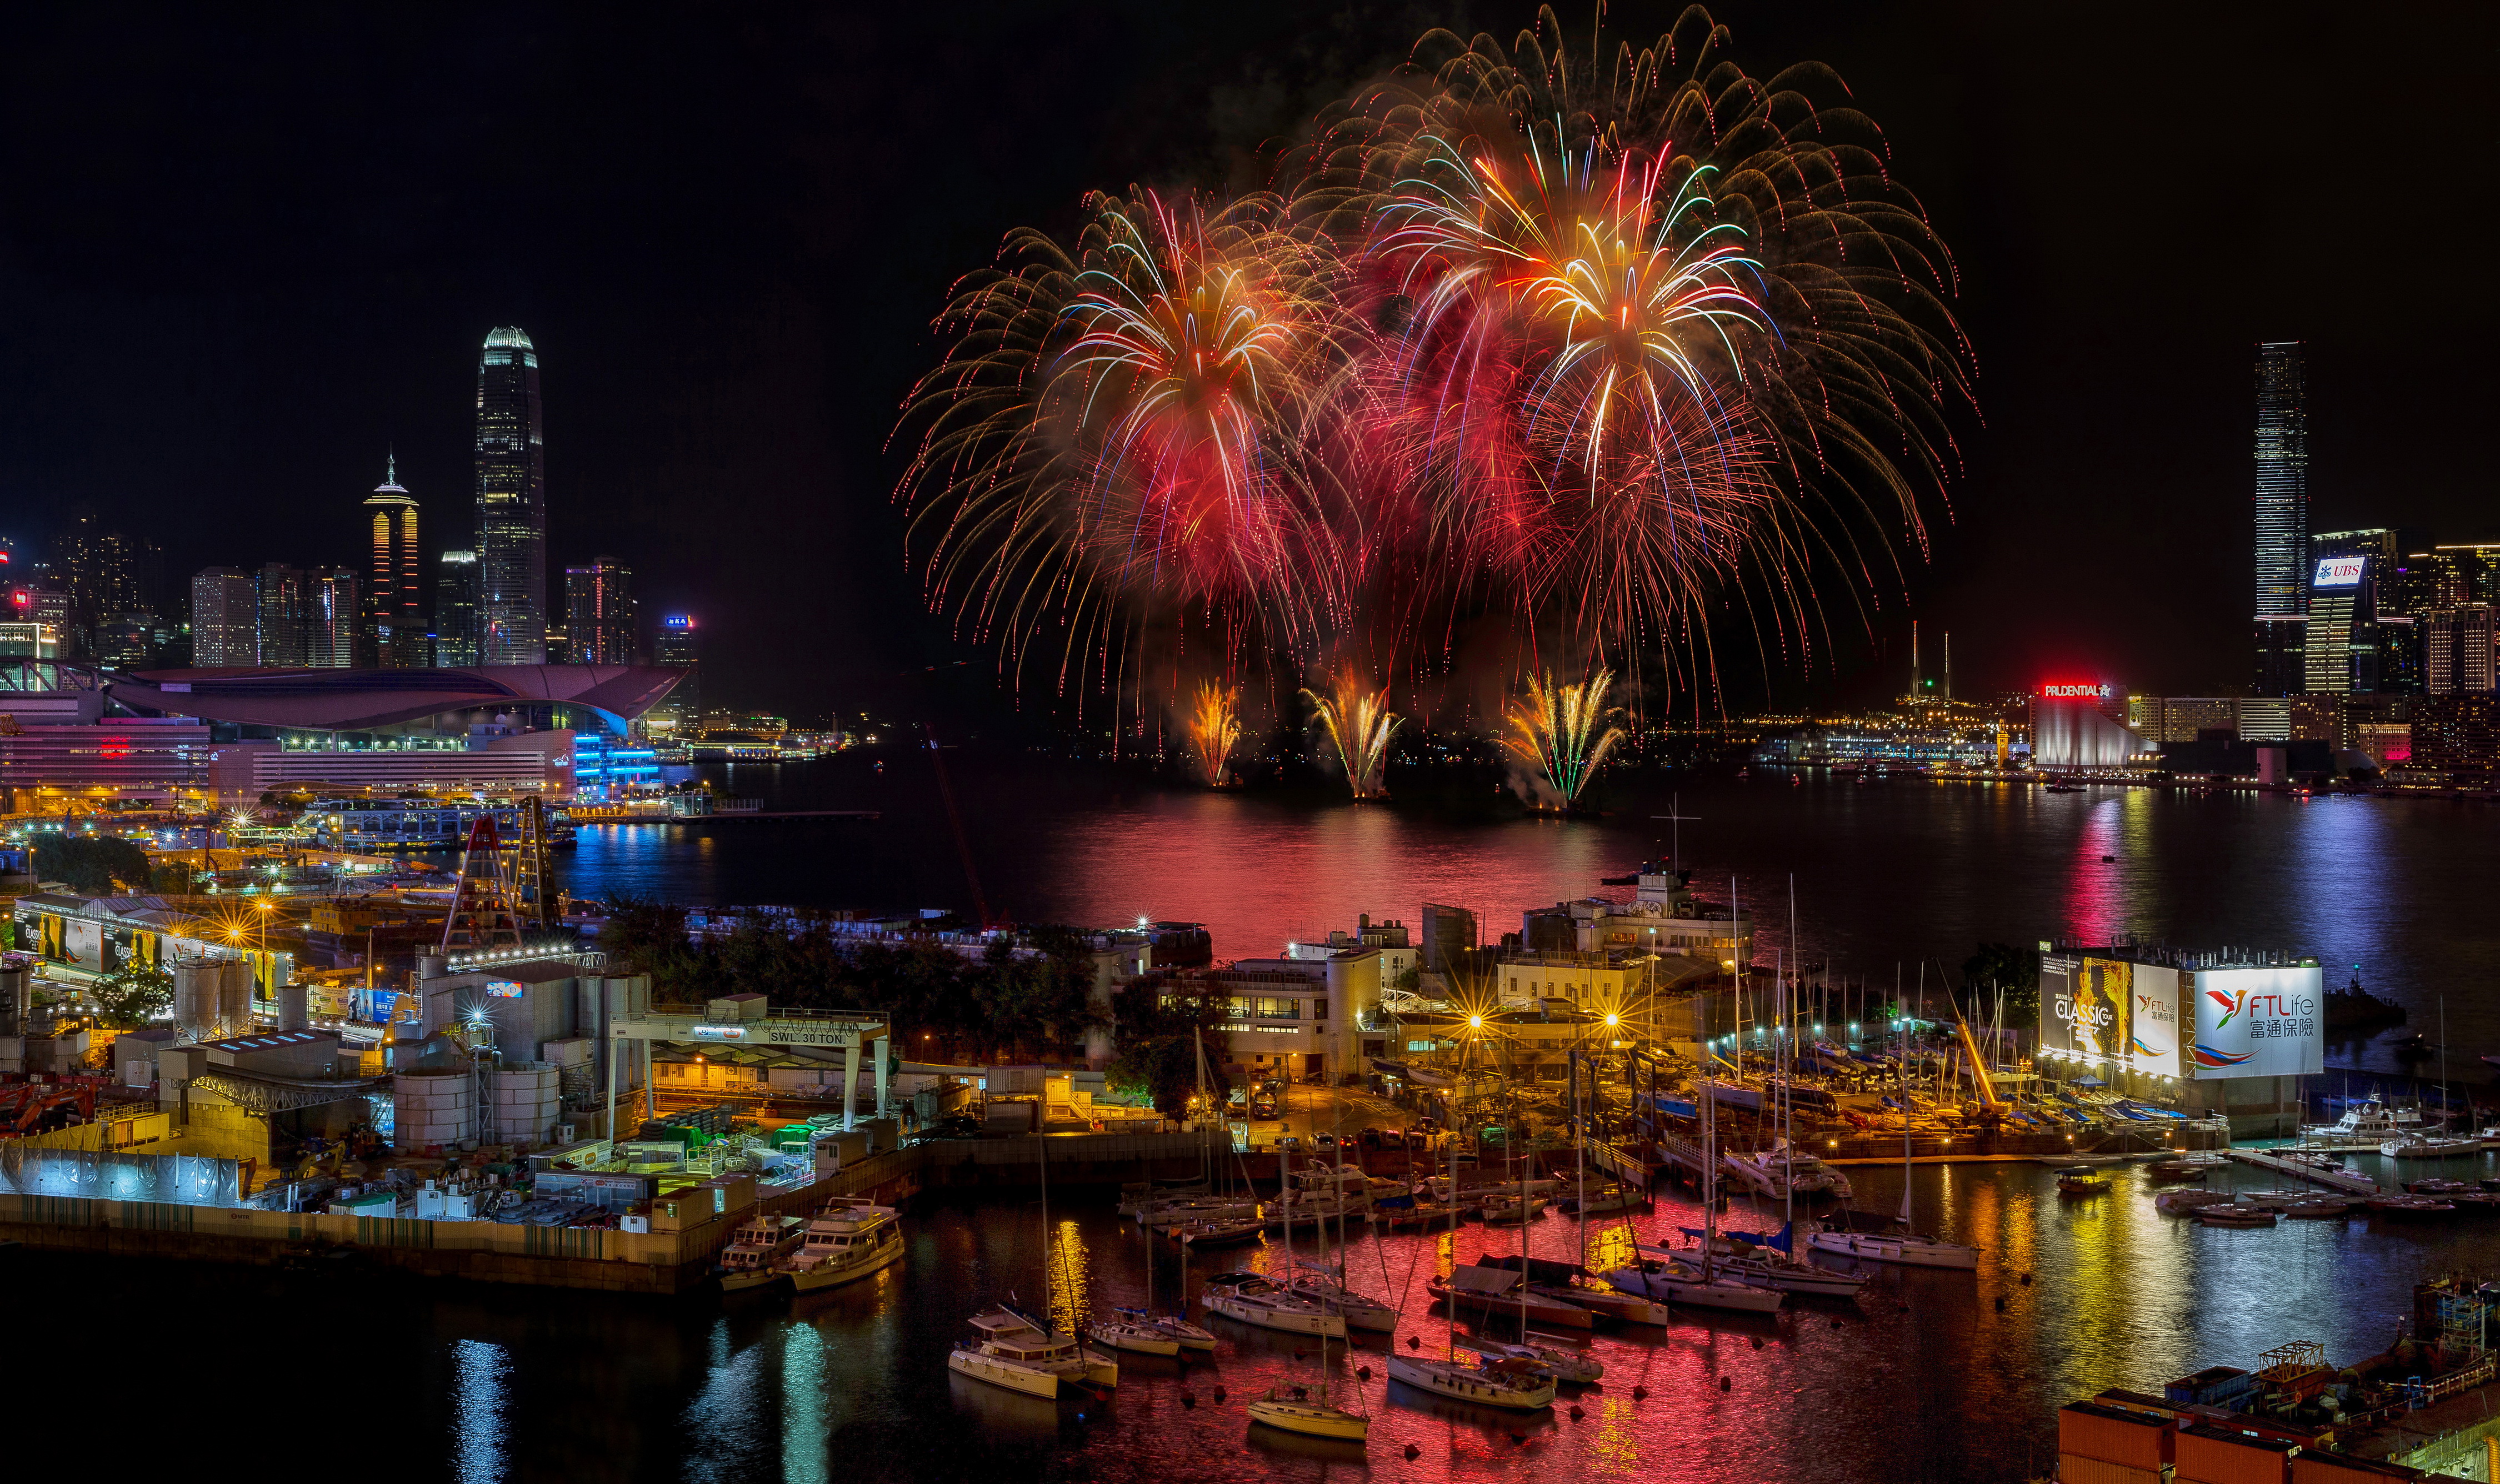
(485, 914)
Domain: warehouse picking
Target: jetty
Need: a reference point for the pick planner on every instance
(2345, 1181)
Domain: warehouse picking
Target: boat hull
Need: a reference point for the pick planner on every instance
(1734, 1297)
(748, 1282)
(1290, 1321)
(1310, 1420)
(1028, 1379)
(1568, 1316)
(818, 1280)
(1896, 1251)
(1459, 1383)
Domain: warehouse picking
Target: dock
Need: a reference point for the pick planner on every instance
(583, 817)
(2346, 1183)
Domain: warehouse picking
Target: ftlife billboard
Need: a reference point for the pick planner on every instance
(2200, 1024)
(2258, 1023)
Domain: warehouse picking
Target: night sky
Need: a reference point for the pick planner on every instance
(238, 261)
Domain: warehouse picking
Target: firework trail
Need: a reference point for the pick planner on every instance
(1557, 729)
(1214, 726)
(1359, 725)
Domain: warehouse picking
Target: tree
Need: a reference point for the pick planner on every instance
(90, 865)
(132, 995)
(2004, 966)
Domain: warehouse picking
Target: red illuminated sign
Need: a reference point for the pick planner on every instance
(2075, 691)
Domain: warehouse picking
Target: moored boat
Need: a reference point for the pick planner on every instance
(1570, 1367)
(2080, 1180)
(1248, 1298)
(2234, 1215)
(847, 1241)
(1495, 1291)
(755, 1248)
(1009, 1350)
(1513, 1385)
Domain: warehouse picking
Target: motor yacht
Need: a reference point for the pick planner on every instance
(847, 1241)
(2422, 1145)
(756, 1248)
(1009, 1350)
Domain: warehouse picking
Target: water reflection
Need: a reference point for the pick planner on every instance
(480, 1377)
(1899, 874)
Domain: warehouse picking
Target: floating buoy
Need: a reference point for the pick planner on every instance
(1413, 1452)
(2000, 1302)
(1363, 1373)
(1219, 1396)
(1722, 1383)
(1640, 1393)
(1188, 1399)
(1757, 1342)
(1577, 1414)
(1414, 1343)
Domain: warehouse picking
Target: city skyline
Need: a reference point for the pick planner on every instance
(737, 421)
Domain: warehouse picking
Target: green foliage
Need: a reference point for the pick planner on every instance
(2014, 970)
(1003, 1005)
(1164, 1069)
(132, 995)
(91, 865)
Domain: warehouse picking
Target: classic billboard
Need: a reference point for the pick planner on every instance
(2111, 1010)
(2258, 1023)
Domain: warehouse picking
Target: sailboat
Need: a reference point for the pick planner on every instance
(1894, 1242)
(1289, 1410)
(1512, 1384)
(1014, 1351)
(1665, 1274)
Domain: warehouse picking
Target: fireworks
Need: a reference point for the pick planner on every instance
(1214, 726)
(1596, 350)
(1359, 725)
(1554, 727)
(1112, 441)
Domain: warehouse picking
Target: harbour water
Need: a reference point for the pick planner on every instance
(1927, 1376)
(1884, 875)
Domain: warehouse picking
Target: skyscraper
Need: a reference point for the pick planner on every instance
(224, 622)
(675, 645)
(2281, 518)
(394, 635)
(511, 504)
(599, 612)
(455, 610)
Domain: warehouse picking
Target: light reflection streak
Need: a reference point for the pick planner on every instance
(480, 1376)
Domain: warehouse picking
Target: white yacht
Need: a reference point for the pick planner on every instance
(847, 1241)
(1898, 1247)
(754, 1249)
(1253, 1299)
(1513, 1384)
(1187, 1335)
(1784, 1171)
(2421, 1146)
(1670, 1279)
(2366, 1122)
(1360, 1311)
(1008, 1349)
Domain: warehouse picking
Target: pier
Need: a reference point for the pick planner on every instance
(2346, 1183)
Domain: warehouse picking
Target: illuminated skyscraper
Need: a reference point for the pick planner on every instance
(2283, 566)
(599, 612)
(511, 504)
(394, 609)
(224, 617)
(455, 610)
(675, 645)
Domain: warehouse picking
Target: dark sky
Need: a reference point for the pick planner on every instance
(238, 259)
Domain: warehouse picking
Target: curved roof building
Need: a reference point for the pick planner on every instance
(363, 701)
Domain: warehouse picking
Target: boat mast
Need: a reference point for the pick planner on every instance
(1905, 1105)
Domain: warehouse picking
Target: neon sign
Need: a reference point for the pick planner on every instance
(2070, 693)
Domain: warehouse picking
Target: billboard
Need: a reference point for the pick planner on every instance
(2338, 572)
(2112, 1011)
(2258, 1023)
